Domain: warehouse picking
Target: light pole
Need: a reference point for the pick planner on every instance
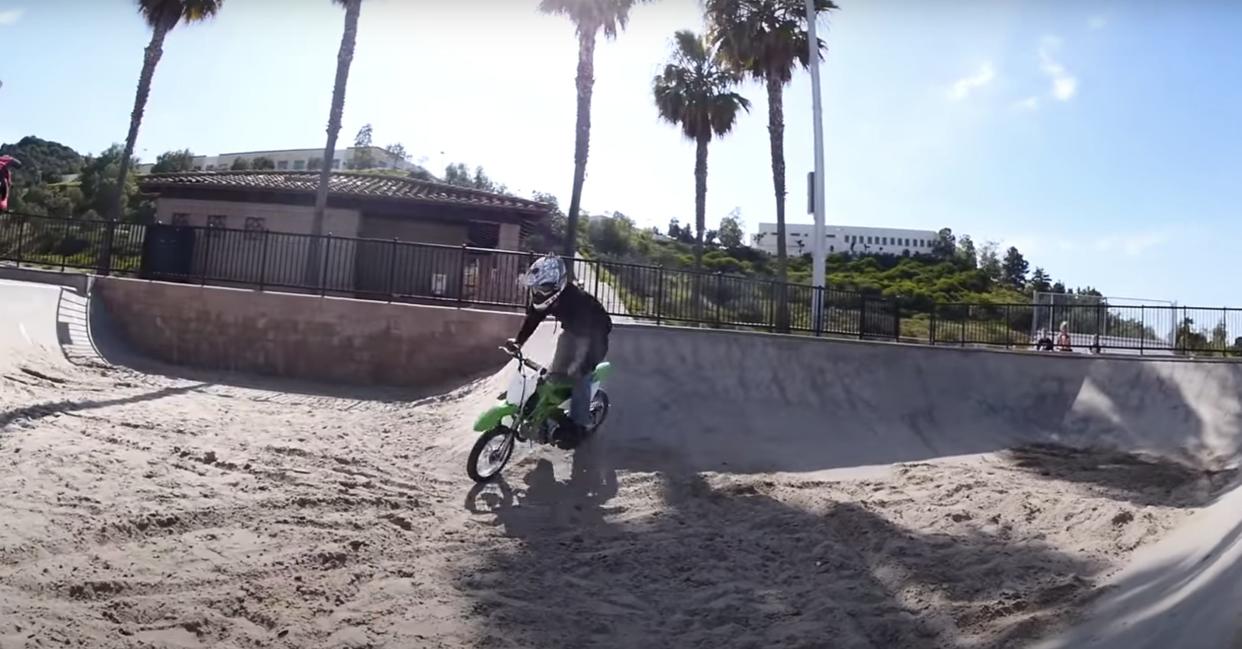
(817, 111)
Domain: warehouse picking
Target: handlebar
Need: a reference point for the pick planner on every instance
(521, 358)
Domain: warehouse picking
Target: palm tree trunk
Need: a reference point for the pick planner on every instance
(344, 59)
(700, 218)
(776, 132)
(582, 139)
(155, 50)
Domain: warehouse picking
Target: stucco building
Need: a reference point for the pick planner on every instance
(251, 227)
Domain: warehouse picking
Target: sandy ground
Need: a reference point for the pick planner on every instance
(145, 511)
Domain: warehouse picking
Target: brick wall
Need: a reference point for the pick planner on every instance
(323, 339)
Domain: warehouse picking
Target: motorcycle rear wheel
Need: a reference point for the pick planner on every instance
(490, 454)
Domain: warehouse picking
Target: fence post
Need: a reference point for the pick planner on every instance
(202, 276)
(659, 305)
(392, 269)
(862, 317)
(897, 319)
(322, 276)
(263, 260)
(1008, 320)
(109, 241)
(21, 236)
(64, 237)
(817, 306)
(1142, 328)
(931, 326)
(965, 317)
(1224, 325)
(719, 295)
(461, 289)
(599, 266)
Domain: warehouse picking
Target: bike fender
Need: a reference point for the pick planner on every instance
(602, 371)
(493, 416)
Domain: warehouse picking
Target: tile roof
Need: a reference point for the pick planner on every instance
(361, 185)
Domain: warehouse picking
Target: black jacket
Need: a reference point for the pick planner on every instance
(578, 312)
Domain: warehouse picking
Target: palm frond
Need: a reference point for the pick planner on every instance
(694, 91)
(590, 16)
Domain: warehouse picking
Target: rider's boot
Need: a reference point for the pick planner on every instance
(574, 427)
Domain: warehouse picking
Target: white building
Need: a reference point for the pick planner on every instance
(846, 238)
(294, 159)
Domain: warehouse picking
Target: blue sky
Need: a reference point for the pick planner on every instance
(1101, 138)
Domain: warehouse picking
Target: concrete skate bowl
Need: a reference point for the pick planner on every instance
(690, 542)
(745, 408)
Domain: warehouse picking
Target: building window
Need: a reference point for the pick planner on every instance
(180, 219)
(282, 165)
(299, 165)
(483, 235)
(216, 223)
(336, 164)
(255, 226)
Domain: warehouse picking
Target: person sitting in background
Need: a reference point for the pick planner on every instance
(1044, 342)
(1063, 338)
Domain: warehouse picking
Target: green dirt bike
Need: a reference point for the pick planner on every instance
(532, 409)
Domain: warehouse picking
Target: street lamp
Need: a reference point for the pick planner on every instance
(817, 246)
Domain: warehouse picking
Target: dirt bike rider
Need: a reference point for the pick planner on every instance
(7, 164)
(582, 345)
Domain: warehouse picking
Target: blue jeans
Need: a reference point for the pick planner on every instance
(575, 361)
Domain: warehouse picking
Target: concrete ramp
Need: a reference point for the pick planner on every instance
(736, 402)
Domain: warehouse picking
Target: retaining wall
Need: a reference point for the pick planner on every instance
(304, 337)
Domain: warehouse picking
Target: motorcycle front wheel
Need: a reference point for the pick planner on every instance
(490, 454)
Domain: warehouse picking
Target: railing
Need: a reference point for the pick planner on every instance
(402, 271)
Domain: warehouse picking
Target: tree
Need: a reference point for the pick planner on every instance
(674, 229)
(42, 160)
(731, 235)
(1013, 271)
(1058, 287)
(398, 153)
(966, 252)
(1039, 281)
(766, 39)
(989, 262)
(695, 91)
(262, 163)
(173, 161)
(161, 16)
(363, 157)
(242, 164)
(344, 59)
(97, 183)
(589, 18)
(945, 244)
(460, 175)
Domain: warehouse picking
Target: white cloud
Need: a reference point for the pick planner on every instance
(964, 86)
(1096, 23)
(11, 16)
(1064, 84)
(1030, 103)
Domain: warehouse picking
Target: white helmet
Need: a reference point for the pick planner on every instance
(545, 280)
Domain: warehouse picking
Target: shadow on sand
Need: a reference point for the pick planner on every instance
(1139, 479)
(41, 410)
(735, 567)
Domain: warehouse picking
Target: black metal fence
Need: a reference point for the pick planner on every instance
(394, 270)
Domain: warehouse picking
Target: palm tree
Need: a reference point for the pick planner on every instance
(694, 92)
(162, 16)
(589, 17)
(344, 58)
(767, 39)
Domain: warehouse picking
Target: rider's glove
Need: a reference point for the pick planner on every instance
(512, 345)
